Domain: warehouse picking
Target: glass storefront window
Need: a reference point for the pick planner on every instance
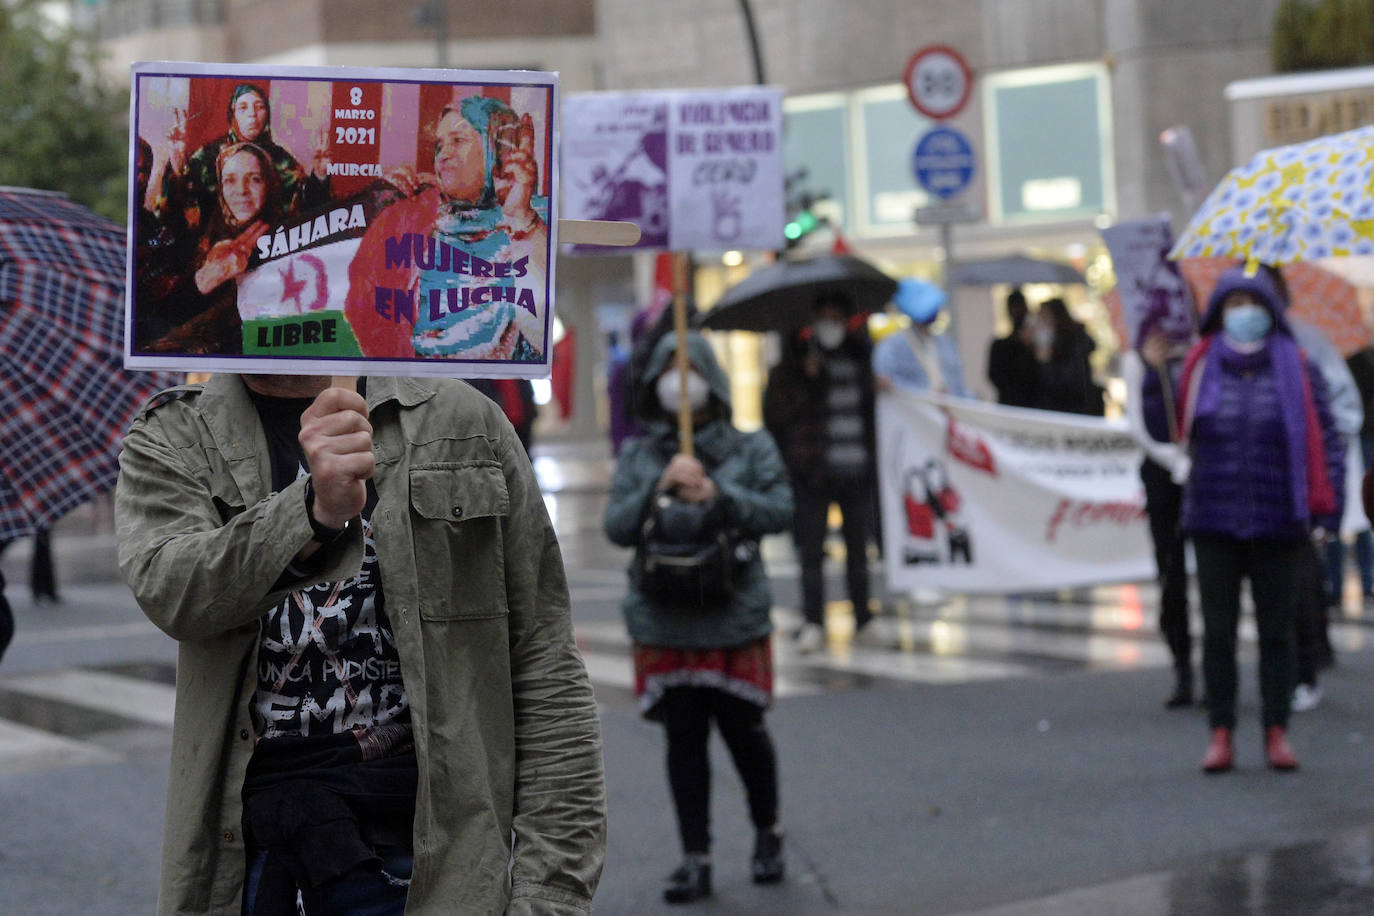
(885, 133)
(816, 138)
(1049, 143)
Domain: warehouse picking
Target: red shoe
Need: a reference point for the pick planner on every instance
(1219, 756)
(1278, 751)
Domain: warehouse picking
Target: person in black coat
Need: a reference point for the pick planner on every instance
(819, 408)
(1012, 367)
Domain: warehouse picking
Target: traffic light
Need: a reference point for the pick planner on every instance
(799, 225)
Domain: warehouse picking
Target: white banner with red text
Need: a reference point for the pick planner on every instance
(976, 497)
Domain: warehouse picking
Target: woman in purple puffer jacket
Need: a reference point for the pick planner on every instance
(1267, 467)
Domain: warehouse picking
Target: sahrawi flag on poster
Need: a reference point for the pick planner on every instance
(977, 497)
(297, 278)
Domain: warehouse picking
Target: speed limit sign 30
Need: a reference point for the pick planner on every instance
(939, 81)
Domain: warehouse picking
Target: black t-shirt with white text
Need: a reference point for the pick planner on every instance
(327, 661)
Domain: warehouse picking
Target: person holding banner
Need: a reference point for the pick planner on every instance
(1268, 466)
(918, 359)
(819, 407)
(699, 661)
(1151, 372)
(380, 704)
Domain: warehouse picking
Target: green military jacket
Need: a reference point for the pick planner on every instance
(510, 813)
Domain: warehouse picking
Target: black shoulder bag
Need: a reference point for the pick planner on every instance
(688, 554)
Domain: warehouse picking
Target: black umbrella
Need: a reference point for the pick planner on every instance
(1015, 270)
(780, 296)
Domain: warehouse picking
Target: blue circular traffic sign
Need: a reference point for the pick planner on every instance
(944, 161)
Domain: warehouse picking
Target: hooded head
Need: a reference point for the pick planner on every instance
(1265, 286)
(702, 360)
(250, 114)
(918, 300)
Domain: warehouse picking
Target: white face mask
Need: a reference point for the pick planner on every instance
(829, 334)
(698, 391)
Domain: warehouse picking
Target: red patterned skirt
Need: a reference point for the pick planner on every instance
(745, 672)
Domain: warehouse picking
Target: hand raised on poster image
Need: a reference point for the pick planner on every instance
(409, 180)
(169, 154)
(229, 258)
(337, 440)
(319, 151)
(517, 171)
(173, 145)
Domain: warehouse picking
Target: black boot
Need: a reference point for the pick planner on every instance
(1183, 689)
(690, 881)
(768, 863)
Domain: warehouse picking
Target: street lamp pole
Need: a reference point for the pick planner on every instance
(434, 14)
(754, 49)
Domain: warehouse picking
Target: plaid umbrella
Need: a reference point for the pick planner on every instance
(65, 398)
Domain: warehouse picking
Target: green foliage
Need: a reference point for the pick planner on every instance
(61, 129)
(1320, 34)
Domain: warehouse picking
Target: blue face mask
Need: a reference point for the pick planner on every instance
(1247, 323)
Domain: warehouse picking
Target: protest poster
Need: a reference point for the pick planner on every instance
(615, 160)
(1149, 285)
(695, 170)
(981, 498)
(342, 220)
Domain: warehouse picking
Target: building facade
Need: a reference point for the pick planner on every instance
(1069, 100)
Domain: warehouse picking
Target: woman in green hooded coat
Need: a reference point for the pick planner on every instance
(697, 664)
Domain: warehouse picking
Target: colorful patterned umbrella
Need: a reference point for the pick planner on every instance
(1294, 203)
(65, 398)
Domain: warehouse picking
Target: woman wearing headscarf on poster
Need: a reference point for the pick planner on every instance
(700, 657)
(474, 284)
(189, 187)
(1268, 467)
(205, 319)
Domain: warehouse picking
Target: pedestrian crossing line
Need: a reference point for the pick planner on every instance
(996, 640)
(580, 594)
(924, 669)
(25, 748)
(127, 697)
(93, 633)
(606, 649)
(616, 669)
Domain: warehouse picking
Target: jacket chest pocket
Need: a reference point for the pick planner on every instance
(458, 514)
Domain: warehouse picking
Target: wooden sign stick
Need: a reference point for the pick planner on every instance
(597, 232)
(682, 266)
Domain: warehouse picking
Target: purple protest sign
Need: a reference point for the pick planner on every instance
(698, 169)
(615, 162)
(1154, 295)
(725, 169)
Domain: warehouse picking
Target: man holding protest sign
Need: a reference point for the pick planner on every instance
(378, 685)
(380, 706)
